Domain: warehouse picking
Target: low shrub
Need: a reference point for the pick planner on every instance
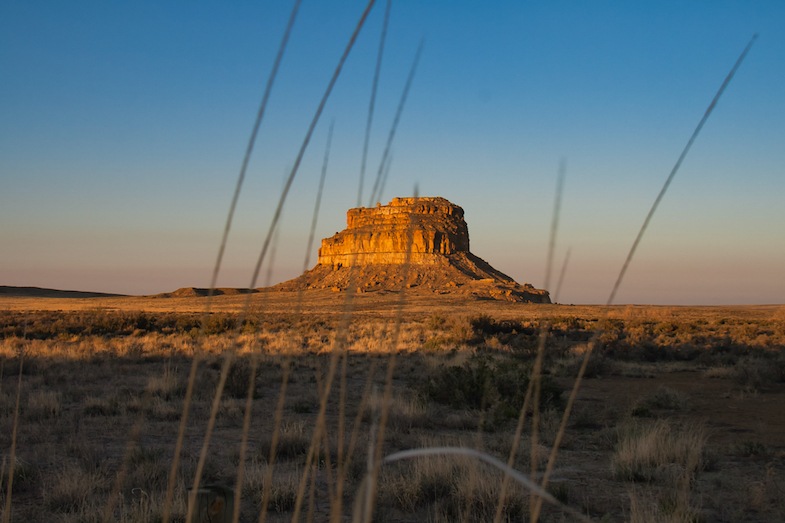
(757, 373)
(238, 379)
(293, 443)
(485, 383)
(663, 398)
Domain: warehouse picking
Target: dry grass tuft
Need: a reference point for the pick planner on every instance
(43, 404)
(658, 450)
(73, 490)
(453, 488)
(294, 440)
(404, 411)
(671, 506)
(167, 385)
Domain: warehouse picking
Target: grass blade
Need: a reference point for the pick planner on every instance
(319, 192)
(249, 148)
(524, 480)
(14, 432)
(222, 248)
(595, 337)
(676, 167)
(374, 88)
(375, 192)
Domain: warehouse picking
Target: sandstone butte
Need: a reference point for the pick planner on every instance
(415, 243)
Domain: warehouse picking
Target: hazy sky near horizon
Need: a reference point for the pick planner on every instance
(123, 127)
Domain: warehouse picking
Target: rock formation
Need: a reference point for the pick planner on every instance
(379, 236)
(413, 242)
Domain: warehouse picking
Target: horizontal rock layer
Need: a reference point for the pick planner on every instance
(420, 229)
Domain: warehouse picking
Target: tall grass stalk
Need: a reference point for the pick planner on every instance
(676, 167)
(277, 419)
(385, 173)
(387, 397)
(318, 202)
(337, 353)
(298, 160)
(562, 273)
(238, 488)
(14, 432)
(312, 493)
(267, 242)
(249, 148)
(376, 191)
(337, 349)
(372, 103)
(595, 337)
(219, 258)
(228, 359)
(131, 443)
(376, 194)
(522, 479)
(278, 416)
(345, 461)
(534, 387)
(342, 392)
(323, 445)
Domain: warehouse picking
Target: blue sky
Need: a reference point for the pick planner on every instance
(123, 126)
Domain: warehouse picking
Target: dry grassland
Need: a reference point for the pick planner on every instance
(681, 417)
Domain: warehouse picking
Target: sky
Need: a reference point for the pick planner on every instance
(123, 127)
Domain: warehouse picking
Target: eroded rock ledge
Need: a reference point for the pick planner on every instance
(381, 236)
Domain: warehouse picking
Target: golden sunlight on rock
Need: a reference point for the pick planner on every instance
(433, 227)
(410, 243)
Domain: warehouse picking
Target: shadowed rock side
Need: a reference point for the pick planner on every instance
(201, 292)
(371, 254)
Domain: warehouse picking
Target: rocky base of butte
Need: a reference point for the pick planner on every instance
(414, 243)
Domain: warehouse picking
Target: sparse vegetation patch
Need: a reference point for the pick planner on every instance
(460, 379)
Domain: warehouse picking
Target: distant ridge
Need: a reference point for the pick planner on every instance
(198, 292)
(39, 292)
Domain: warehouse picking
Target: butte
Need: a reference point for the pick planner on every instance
(420, 244)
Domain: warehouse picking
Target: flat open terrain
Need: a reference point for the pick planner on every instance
(680, 416)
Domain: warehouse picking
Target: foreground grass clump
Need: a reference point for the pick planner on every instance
(451, 488)
(666, 453)
(657, 450)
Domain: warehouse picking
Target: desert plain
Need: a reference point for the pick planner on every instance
(680, 415)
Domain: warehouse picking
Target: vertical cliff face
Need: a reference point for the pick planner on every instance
(382, 235)
(415, 243)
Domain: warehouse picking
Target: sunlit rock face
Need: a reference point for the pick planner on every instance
(424, 229)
